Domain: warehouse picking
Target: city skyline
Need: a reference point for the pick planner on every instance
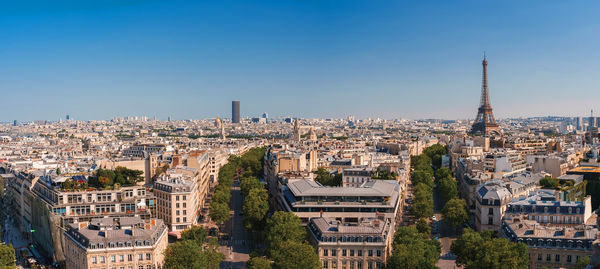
(309, 59)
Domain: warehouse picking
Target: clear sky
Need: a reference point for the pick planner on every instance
(305, 58)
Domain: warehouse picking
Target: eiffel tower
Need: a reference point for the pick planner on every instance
(485, 123)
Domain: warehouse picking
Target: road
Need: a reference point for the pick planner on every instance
(237, 251)
(447, 234)
(11, 235)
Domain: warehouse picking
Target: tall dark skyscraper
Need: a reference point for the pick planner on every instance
(68, 117)
(235, 111)
(15, 123)
(485, 122)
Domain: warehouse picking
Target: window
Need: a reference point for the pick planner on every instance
(177, 205)
(113, 258)
(370, 253)
(102, 259)
(140, 257)
(177, 212)
(184, 219)
(148, 266)
(325, 252)
(359, 253)
(359, 264)
(343, 252)
(129, 257)
(491, 211)
(557, 258)
(185, 212)
(548, 258)
(184, 198)
(148, 256)
(378, 253)
(539, 257)
(569, 258)
(141, 267)
(177, 199)
(325, 264)
(491, 220)
(176, 219)
(352, 255)
(94, 261)
(334, 252)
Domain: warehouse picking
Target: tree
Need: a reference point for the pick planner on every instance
(582, 263)
(260, 262)
(255, 208)
(183, 255)
(481, 250)
(58, 171)
(325, 178)
(195, 233)
(421, 176)
(249, 183)
(222, 195)
(281, 227)
(423, 203)
(411, 250)
(442, 173)
(423, 227)
(7, 256)
(293, 254)
(219, 212)
(448, 188)
(549, 182)
(455, 212)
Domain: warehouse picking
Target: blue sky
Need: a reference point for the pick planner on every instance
(389, 59)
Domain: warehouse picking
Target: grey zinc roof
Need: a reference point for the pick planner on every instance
(493, 191)
(377, 188)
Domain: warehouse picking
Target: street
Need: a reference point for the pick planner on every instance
(446, 233)
(237, 250)
(11, 235)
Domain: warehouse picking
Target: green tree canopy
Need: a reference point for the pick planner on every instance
(423, 203)
(582, 263)
(326, 179)
(442, 173)
(183, 255)
(296, 255)
(219, 212)
(260, 262)
(448, 188)
(421, 176)
(455, 212)
(475, 250)
(195, 233)
(423, 226)
(255, 208)
(281, 227)
(7, 256)
(248, 183)
(412, 251)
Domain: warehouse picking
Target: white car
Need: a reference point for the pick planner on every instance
(433, 218)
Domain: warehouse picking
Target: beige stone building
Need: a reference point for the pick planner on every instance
(364, 246)
(123, 243)
(177, 202)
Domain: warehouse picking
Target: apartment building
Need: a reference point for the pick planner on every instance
(309, 199)
(366, 245)
(354, 177)
(177, 202)
(494, 196)
(124, 243)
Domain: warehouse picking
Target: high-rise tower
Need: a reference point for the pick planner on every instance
(485, 123)
(235, 111)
